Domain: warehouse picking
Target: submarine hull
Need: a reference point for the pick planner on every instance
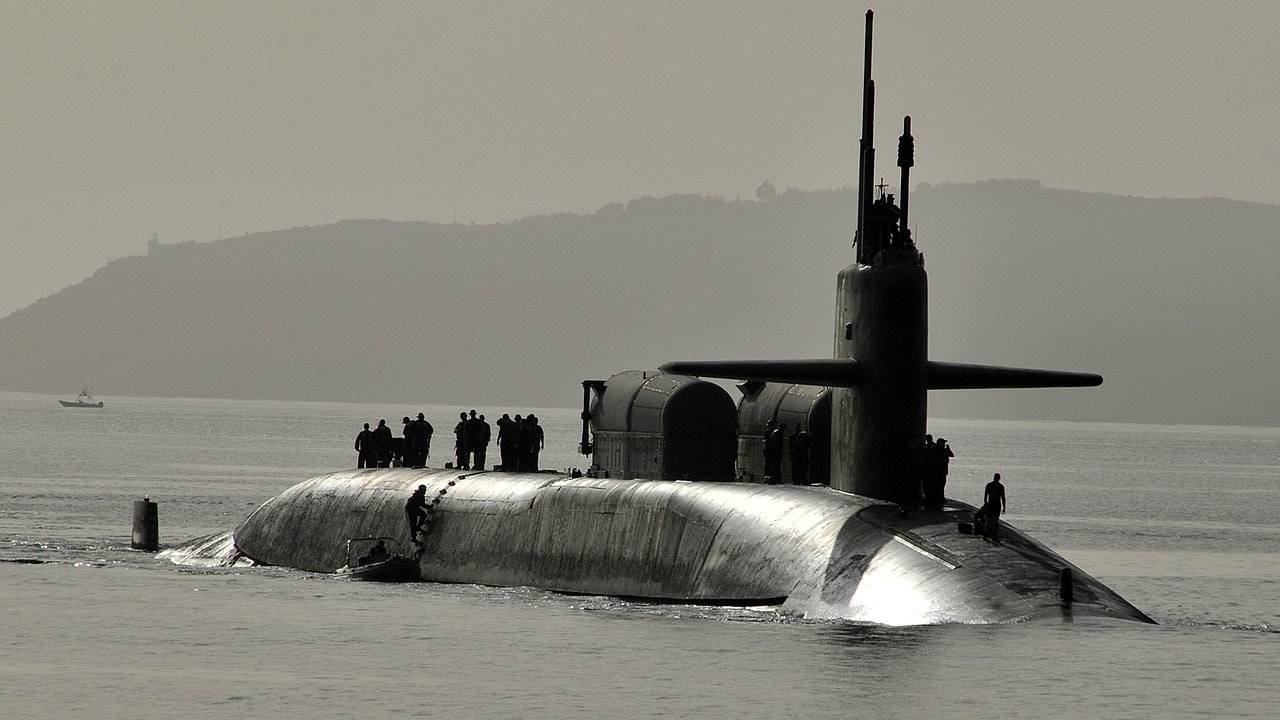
(816, 551)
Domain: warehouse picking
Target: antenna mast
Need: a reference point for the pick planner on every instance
(906, 159)
(866, 151)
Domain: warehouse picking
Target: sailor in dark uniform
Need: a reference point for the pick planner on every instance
(773, 437)
(415, 510)
(364, 446)
(461, 453)
(801, 443)
(987, 520)
(382, 443)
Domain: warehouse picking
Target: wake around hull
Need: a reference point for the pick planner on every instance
(818, 552)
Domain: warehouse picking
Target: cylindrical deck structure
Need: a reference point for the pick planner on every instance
(793, 406)
(658, 426)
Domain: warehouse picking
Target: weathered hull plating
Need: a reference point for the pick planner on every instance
(820, 552)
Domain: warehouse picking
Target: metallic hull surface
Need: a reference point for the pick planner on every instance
(820, 552)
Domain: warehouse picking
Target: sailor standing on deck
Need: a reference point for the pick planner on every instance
(520, 444)
(382, 443)
(773, 438)
(461, 454)
(801, 443)
(993, 505)
(937, 461)
(409, 446)
(507, 429)
(471, 436)
(364, 446)
(422, 432)
(529, 443)
(483, 434)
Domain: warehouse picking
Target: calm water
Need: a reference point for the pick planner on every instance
(1182, 521)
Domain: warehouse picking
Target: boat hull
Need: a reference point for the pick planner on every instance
(394, 569)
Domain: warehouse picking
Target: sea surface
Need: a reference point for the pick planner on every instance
(1182, 521)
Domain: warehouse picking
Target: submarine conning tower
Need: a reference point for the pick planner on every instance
(882, 310)
(880, 373)
(882, 322)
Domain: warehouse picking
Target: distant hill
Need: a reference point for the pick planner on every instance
(1168, 299)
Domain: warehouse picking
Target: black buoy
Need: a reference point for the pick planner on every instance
(146, 525)
(1066, 586)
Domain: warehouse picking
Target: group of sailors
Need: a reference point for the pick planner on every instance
(520, 440)
(801, 446)
(929, 460)
(379, 448)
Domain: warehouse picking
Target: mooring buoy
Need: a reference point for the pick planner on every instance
(146, 525)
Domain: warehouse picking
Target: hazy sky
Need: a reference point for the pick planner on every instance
(200, 119)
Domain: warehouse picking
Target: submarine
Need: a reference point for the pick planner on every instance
(673, 509)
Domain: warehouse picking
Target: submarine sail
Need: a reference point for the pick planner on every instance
(880, 373)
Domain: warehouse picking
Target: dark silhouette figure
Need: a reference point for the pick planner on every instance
(382, 444)
(481, 449)
(377, 553)
(801, 445)
(407, 449)
(916, 451)
(521, 446)
(471, 434)
(426, 431)
(507, 431)
(364, 447)
(529, 442)
(417, 436)
(415, 510)
(773, 439)
(936, 462)
(987, 520)
(461, 453)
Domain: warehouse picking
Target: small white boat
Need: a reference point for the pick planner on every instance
(83, 400)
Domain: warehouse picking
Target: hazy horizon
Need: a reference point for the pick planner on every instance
(200, 120)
